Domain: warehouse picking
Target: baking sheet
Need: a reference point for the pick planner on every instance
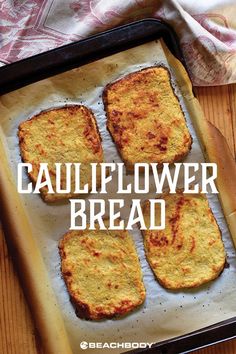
(165, 314)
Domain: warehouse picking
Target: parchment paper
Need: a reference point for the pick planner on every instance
(165, 314)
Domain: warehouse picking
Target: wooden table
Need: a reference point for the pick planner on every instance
(17, 333)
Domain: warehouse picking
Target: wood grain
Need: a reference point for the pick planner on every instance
(17, 333)
(219, 106)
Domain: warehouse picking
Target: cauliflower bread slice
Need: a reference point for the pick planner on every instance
(102, 272)
(189, 251)
(67, 134)
(145, 119)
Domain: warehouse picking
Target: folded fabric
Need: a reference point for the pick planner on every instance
(206, 29)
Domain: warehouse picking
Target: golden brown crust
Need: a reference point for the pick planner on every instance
(102, 272)
(66, 134)
(189, 251)
(145, 119)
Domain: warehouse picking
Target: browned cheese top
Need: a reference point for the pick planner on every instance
(145, 119)
(61, 135)
(189, 251)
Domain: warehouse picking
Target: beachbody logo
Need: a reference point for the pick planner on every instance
(114, 345)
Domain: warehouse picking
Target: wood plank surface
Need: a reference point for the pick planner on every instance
(17, 333)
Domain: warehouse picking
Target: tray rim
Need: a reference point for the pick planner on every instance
(9, 81)
(43, 65)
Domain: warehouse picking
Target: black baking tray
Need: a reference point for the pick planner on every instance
(44, 65)
(41, 66)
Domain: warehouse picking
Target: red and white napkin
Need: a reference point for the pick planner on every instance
(206, 29)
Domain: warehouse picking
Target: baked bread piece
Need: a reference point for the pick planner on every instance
(189, 251)
(145, 119)
(102, 272)
(62, 135)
